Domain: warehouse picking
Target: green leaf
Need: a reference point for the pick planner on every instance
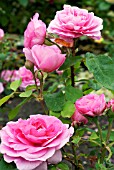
(26, 93)
(30, 87)
(76, 139)
(70, 61)
(100, 167)
(5, 99)
(15, 84)
(68, 109)
(56, 114)
(72, 94)
(94, 84)
(4, 165)
(103, 6)
(55, 101)
(23, 2)
(93, 136)
(16, 110)
(102, 67)
(63, 166)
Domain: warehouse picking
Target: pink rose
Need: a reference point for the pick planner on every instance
(111, 104)
(91, 105)
(34, 142)
(45, 58)
(10, 75)
(1, 33)
(73, 22)
(78, 118)
(35, 32)
(1, 87)
(27, 77)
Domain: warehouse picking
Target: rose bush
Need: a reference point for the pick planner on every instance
(35, 32)
(33, 142)
(45, 58)
(111, 104)
(73, 22)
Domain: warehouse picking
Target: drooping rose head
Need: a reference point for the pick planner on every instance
(73, 22)
(1, 87)
(78, 118)
(27, 77)
(34, 142)
(91, 105)
(1, 33)
(10, 75)
(45, 58)
(111, 104)
(35, 32)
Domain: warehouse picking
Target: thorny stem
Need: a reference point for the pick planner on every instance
(53, 43)
(72, 67)
(107, 140)
(75, 159)
(35, 82)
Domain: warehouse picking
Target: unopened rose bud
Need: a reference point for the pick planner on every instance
(38, 75)
(29, 65)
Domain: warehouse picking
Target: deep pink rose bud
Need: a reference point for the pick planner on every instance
(111, 104)
(1, 87)
(73, 22)
(35, 32)
(45, 58)
(1, 33)
(35, 142)
(91, 105)
(78, 118)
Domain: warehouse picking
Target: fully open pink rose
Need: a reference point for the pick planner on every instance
(34, 142)
(10, 75)
(111, 104)
(27, 77)
(1, 33)
(73, 22)
(35, 32)
(78, 118)
(1, 87)
(91, 105)
(45, 58)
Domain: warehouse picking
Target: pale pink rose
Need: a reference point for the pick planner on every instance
(1, 33)
(27, 77)
(35, 32)
(73, 22)
(10, 75)
(78, 118)
(34, 142)
(1, 87)
(45, 58)
(111, 104)
(91, 105)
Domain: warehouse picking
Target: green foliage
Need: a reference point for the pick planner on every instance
(72, 94)
(15, 84)
(55, 101)
(68, 109)
(5, 99)
(26, 93)
(102, 67)
(4, 165)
